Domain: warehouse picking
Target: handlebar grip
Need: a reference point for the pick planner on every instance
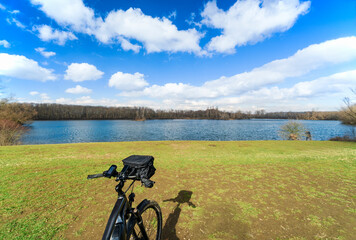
(147, 183)
(95, 176)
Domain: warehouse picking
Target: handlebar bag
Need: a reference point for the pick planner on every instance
(141, 166)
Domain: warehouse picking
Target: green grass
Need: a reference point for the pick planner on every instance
(240, 190)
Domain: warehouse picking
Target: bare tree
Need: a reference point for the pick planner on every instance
(13, 116)
(348, 113)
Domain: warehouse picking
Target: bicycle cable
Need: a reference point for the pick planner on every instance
(130, 186)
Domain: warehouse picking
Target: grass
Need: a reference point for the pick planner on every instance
(231, 190)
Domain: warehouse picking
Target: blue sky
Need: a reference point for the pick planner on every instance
(285, 55)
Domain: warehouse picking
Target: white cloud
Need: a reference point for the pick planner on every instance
(156, 34)
(191, 21)
(173, 91)
(305, 95)
(127, 81)
(339, 82)
(2, 7)
(79, 72)
(126, 45)
(87, 100)
(5, 43)
(250, 21)
(15, 12)
(78, 90)
(46, 33)
(172, 15)
(72, 13)
(302, 62)
(316, 94)
(45, 97)
(17, 22)
(45, 53)
(23, 68)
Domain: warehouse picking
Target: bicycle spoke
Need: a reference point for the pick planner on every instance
(150, 222)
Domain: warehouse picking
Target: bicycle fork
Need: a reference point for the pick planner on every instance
(139, 221)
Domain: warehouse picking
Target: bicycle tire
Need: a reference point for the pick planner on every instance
(152, 221)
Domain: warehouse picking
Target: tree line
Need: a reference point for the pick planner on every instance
(14, 117)
(50, 111)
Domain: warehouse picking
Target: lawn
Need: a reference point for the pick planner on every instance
(226, 190)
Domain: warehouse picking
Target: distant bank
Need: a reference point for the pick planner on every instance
(50, 111)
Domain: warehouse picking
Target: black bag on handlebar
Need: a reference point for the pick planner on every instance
(141, 167)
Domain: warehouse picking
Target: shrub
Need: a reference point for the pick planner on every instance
(12, 118)
(292, 130)
(10, 132)
(343, 139)
(16, 112)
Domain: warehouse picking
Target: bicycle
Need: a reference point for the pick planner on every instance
(125, 222)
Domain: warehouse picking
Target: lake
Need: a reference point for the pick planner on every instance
(48, 132)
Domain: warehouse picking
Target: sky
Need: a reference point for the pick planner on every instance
(248, 55)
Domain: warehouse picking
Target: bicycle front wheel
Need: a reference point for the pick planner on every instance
(152, 221)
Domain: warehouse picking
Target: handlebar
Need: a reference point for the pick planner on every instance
(147, 183)
(121, 176)
(95, 176)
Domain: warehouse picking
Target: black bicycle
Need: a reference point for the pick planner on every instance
(125, 222)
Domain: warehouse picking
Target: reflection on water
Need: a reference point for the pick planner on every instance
(124, 130)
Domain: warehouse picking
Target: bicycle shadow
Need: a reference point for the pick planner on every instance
(169, 229)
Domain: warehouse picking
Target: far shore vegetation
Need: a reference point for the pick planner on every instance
(14, 117)
(51, 111)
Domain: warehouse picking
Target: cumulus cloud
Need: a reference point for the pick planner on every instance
(78, 90)
(5, 43)
(18, 66)
(298, 97)
(71, 13)
(335, 83)
(87, 100)
(78, 72)
(126, 45)
(127, 81)
(250, 21)
(45, 53)
(46, 33)
(156, 34)
(33, 93)
(318, 93)
(339, 82)
(45, 97)
(302, 62)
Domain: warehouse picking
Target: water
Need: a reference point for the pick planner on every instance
(43, 132)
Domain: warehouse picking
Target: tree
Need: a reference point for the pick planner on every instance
(13, 116)
(348, 113)
(292, 130)
(16, 112)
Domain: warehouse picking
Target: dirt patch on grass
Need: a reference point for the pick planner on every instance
(240, 202)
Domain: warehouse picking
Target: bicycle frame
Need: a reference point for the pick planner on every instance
(122, 209)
